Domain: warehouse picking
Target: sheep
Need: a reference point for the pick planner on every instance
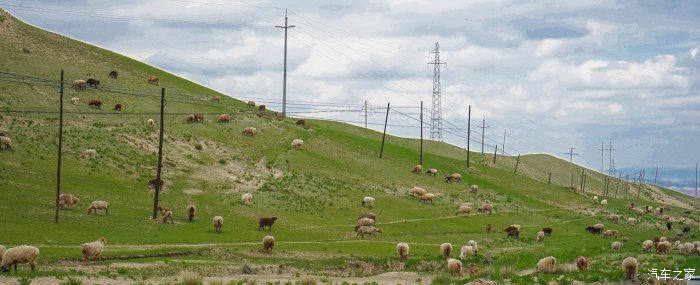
(92, 82)
(79, 85)
(616, 246)
(224, 118)
(646, 245)
(454, 177)
(75, 100)
(663, 247)
(247, 199)
(113, 74)
(372, 216)
(261, 108)
(297, 143)
(216, 98)
(191, 210)
(95, 103)
(402, 250)
(658, 211)
(417, 191)
(514, 233)
(688, 247)
(67, 200)
(629, 267)
(251, 104)
(268, 243)
(512, 227)
(631, 206)
(363, 222)
(263, 222)
(686, 230)
(649, 209)
(199, 118)
(595, 200)
(190, 118)
(427, 197)
(250, 131)
(368, 230)
(474, 189)
(218, 222)
(88, 153)
(445, 249)
(118, 107)
(485, 208)
(547, 231)
(669, 226)
(614, 218)
(19, 255)
(417, 169)
(603, 202)
(432, 171)
(488, 229)
(167, 214)
(639, 211)
(153, 80)
(540, 236)
(547, 264)
(300, 122)
(455, 267)
(582, 263)
(593, 230)
(599, 226)
(5, 142)
(464, 209)
(631, 221)
(610, 233)
(151, 122)
(368, 202)
(98, 205)
(466, 251)
(93, 249)
(663, 239)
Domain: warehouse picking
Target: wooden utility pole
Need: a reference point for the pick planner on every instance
(602, 155)
(159, 179)
(483, 131)
(421, 132)
(618, 184)
(386, 120)
(60, 147)
(469, 132)
(549, 180)
(495, 152)
(284, 78)
(503, 146)
(571, 180)
(516, 165)
(571, 154)
(583, 172)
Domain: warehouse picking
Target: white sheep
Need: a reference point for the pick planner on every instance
(297, 143)
(427, 197)
(151, 122)
(247, 199)
(361, 222)
(417, 191)
(595, 199)
(547, 264)
(268, 243)
(445, 249)
(639, 211)
(402, 250)
(473, 244)
(616, 246)
(614, 218)
(368, 202)
(647, 245)
(67, 200)
(218, 222)
(93, 249)
(475, 188)
(5, 142)
(464, 209)
(604, 202)
(455, 267)
(629, 267)
(98, 205)
(598, 226)
(466, 251)
(88, 153)
(368, 230)
(75, 100)
(689, 248)
(19, 255)
(631, 221)
(540, 236)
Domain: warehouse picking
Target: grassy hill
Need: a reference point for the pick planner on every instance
(315, 191)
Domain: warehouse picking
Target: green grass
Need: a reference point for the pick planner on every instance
(315, 191)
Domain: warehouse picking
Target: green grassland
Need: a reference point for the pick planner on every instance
(315, 191)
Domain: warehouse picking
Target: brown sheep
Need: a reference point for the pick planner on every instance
(547, 231)
(224, 118)
(114, 74)
(5, 142)
(199, 117)
(118, 107)
(216, 98)
(153, 80)
(249, 131)
(93, 82)
(263, 222)
(629, 267)
(582, 263)
(67, 200)
(427, 197)
(417, 169)
(251, 104)
(261, 108)
(610, 233)
(166, 213)
(663, 247)
(191, 209)
(488, 229)
(514, 233)
(96, 103)
(301, 123)
(485, 208)
(190, 118)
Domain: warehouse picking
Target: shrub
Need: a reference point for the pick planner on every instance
(308, 281)
(190, 278)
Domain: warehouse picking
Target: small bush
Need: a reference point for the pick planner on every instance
(308, 281)
(190, 278)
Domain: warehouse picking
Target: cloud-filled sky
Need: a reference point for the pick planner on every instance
(555, 74)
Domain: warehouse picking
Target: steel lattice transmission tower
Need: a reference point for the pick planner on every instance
(436, 111)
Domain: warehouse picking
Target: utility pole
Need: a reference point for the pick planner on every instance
(284, 78)
(483, 130)
(159, 180)
(516, 165)
(436, 115)
(503, 146)
(495, 152)
(381, 152)
(469, 133)
(366, 113)
(571, 154)
(421, 132)
(610, 149)
(60, 148)
(602, 155)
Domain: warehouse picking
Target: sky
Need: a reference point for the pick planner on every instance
(554, 74)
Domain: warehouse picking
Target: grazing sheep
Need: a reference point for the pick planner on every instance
(266, 222)
(417, 169)
(5, 142)
(218, 222)
(247, 199)
(88, 153)
(93, 249)
(639, 211)
(629, 267)
(190, 118)
(114, 74)
(614, 218)
(224, 118)
(445, 249)
(663, 247)
(595, 200)
(540, 236)
(465, 209)
(510, 228)
(300, 123)
(547, 264)
(593, 230)
(686, 230)
(261, 108)
(372, 216)
(216, 98)
(669, 226)
(297, 143)
(582, 263)
(650, 209)
(19, 255)
(473, 244)
(603, 202)
(79, 85)
(631, 221)
(251, 104)
(368, 230)
(631, 206)
(427, 197)
(466, 251)
(455, 267)
(474, 189)
(616, 246)
(95, 103)
(153, 80)
(402, 250)
(98, 205)
(167, 214)
(485, 208)
(268, 243)
(547, 231)
(75, 100)
(151, 122)
(199, 117)
(610, 233)
(647, 245)
(454, 177)
(67, 200)
(363, 222)
(432, 171)
(599, 226)
(118, 107)
(368, 202)
(488, 229)
(514, 233)
(250, 131)
(93, 82)
(417, 191)
(191, 210)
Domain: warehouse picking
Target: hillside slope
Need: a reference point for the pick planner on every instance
(315, 191)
